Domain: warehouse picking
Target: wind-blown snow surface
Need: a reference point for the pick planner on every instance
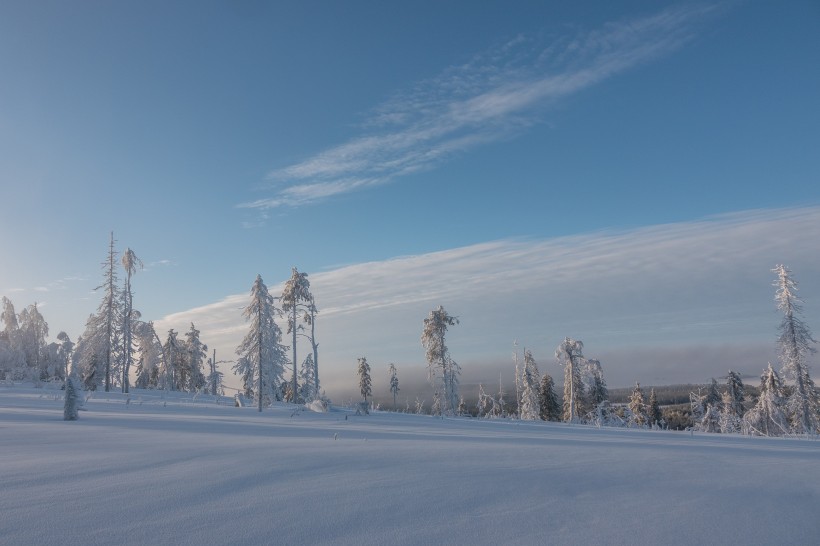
(174, 470)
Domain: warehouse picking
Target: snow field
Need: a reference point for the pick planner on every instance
(178, 471)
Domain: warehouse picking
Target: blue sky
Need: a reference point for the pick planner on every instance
(224, 139)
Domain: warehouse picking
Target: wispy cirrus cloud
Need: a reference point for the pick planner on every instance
(495, 95)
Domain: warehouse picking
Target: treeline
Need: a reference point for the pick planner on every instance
(784, 403)
(118, 346)
(116, 343)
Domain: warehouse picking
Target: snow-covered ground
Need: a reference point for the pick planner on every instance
(172, 470)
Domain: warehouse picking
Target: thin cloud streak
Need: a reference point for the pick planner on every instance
(689, 286)
(495, 95)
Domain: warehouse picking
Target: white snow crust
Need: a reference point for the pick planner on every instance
(170, 469)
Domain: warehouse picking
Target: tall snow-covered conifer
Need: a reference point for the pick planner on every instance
(530, 402)
(363, 371)
(130, 263)
(394, 383)
(172, 364)
(109, 310)
(638, 407)
(12, 359)
(150, 350)
(261, 355)
(550, 407)
(307, 388)
(767, 417)
(595, 385)
(197, 352)
(295, 296)
(570, 355)
(442, 371)
(733, 398)
(89, 353)
(794, 346)
(33, 332)
(72, 400)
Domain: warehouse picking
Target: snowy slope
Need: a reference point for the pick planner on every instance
(178, 471)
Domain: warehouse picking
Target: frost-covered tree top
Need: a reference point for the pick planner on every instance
(8, 316)
(569, 350)
(297, 289)
(432, 336)
(795, 340)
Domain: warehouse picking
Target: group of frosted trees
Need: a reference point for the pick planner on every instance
(263, 358)
(115, 346)
(25, 353)
(788, 402)
(366, 383)
(585, 400)
(116, 341)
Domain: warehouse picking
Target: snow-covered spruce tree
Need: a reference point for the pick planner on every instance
(364, 378)
(594, 384)
(637, 407)
(767, 417)
(173, 362)
(435, 408)
(109, 311)
(484, 404)
(499, 404)
(654, 410)
(307, 389)
(442, 371)
(394, 383)
(295, 296)
(794, 346)
(550, 406)
(729, 422)
(261, 354)
(196, 353)
(33, 332)
(731, 408)
(89, 353)
(517, 409)
(130, 263)
(530, 399)
(12, 359)
(736, 392)
(707, 408)
(570, 355)
(72, 400)
(150, 350)
(713, 396)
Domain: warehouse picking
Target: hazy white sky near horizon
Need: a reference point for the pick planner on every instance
(662, 304)
(625, 173)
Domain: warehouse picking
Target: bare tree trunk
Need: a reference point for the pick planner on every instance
(110, 313)
(294, 386)
(314, 345)
(259, 341)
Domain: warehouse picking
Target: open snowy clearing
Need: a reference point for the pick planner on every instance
(172, 470)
